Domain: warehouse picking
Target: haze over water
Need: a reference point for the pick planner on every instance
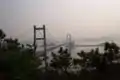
(85, 20)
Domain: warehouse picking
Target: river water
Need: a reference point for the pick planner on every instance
(75, 50)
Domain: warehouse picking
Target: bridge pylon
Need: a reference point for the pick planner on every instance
(43, 29)
(70, 42)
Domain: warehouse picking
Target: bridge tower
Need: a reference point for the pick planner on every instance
(70, 43)
(43, 29)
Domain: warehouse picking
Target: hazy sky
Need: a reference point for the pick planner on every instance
(81, 18)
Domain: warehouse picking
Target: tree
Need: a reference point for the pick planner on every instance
(18, 62)
(88, 59)
(111, 50)
(2, 34)
(62, 61)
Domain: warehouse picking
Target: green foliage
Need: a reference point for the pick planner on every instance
(111, 50)
(2, 34)
(88, 59)
(18, 62)
(61, 61)
(95, 59)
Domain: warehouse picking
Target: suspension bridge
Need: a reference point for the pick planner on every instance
(54, 44)
(69, 43)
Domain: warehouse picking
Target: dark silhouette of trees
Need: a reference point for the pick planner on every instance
(2, 34)
(61, 61)
(17, 62)
(111, 50)
(88, 59)
(94, 59)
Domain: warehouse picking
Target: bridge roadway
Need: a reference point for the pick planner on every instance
(52, 47)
